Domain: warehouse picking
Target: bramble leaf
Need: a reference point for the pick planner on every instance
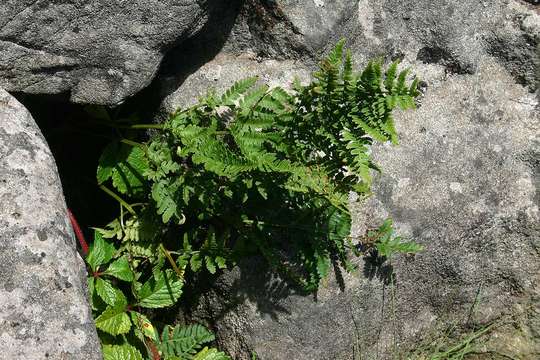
(100, 252)
(114, 320)
(120, 269)
(161, 290)
(121, 352)
(108, 293)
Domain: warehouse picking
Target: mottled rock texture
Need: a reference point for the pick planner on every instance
(98, 51)
(463, 181)
(450, 33)
(44, 313)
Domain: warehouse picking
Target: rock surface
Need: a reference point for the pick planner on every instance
(463, 183)
(44, 310)
(98, 51)
(293, 35)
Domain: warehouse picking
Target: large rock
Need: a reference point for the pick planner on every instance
(463, 183)
(98, 51)
(273, 38)
(44, 313)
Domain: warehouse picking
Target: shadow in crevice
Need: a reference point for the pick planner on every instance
(76, 142)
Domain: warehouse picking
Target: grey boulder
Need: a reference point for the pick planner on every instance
(463, 183)
(44, 312)
(100, 52)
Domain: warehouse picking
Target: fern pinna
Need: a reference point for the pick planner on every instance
(257, 170)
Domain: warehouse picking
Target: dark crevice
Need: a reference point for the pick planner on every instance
(76, 142)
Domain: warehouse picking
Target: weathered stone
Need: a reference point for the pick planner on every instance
(98, 51)
(44, 310)
(220, 73)
(463, 182)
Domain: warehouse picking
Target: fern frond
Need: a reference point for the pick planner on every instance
(166, 195)
(390, 77)
(238, 89)
(184, 341)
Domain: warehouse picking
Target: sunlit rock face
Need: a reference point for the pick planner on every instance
(462, 182)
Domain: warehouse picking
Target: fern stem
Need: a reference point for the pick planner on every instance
(171, 261)
(117, 198)
(147, 126)
(133, 143)
(134, 126)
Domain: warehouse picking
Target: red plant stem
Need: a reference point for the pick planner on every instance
(78, 232)
(153, 349)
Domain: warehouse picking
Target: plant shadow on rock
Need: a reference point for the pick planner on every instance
(439, 55)
(377, 267)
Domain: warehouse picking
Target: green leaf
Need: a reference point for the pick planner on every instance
(127, 174)
(121, 352)
(100, 252)
(106, 291)
(210, 266)
(114, 320)
(91, 291)
(184, 341)
(161, 290)
(107, 161)
(238, 89)
(145, 325)
(323, 265)
(211, 354)
(120, 269)
(166, 195)
(391, 73)
(195, 262)
(388, 244)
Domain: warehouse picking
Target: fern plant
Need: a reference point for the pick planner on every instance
(256, 170)
(119, 298)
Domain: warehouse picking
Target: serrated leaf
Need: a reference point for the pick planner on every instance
(100, 252)
(161, 290)
(114, 321)
(323, 265)
(237, 90)
(220, 262)
(145, 325)
(127, 173)
(166, 196)
(211, 354)
(90, 281)
(195, 262)
(120, 269)
(210, 266)
(108, 293)
(107, 161)
(121, 352)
